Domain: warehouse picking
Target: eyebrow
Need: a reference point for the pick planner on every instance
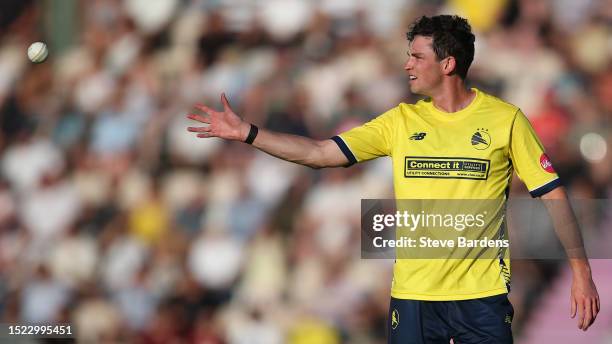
(414, 54)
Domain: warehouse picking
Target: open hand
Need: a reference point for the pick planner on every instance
(225, 124)
(585, 300)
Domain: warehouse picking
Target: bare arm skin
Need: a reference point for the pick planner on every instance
(298, 149)
(584, 297)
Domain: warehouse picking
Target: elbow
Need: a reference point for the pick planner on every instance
(310, 161)
(324, 154)
(316, 159)
(315, 165)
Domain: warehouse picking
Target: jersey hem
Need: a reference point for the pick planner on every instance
(546, 188)
(345, 149)
(453, 297)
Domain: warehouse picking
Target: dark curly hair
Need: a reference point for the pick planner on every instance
(451, 35)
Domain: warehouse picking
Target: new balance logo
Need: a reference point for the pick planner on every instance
(418, 136)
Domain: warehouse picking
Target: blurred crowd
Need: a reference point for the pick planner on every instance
(117, 220)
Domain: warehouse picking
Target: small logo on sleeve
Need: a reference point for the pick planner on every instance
(546, 164)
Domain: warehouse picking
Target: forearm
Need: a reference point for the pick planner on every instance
(566, 227)
(297, 149)
(292, 148)
(580, 267)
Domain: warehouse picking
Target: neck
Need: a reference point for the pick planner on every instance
(452, 97)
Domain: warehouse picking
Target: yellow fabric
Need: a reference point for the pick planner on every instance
(149, 222)
(469, 154)
(313, 331)
(482, 14)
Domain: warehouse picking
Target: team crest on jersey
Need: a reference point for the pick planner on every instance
(546, 164)
(481, 139)
(394, 319)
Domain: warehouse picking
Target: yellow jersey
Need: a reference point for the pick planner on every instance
(468, 154)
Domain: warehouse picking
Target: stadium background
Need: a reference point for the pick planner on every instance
(117, 220)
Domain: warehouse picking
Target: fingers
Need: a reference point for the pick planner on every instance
(209, 117)
(594, 310)
(580, 306)
(587, 311)
(210, 111)
(225, 103)
(198, 118)
(588, 315)
(573, 308)
(205, 109)
(202, 130)
(199, 129)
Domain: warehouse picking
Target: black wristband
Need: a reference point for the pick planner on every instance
(252, 134)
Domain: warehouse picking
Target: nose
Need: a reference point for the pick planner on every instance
(409, 64)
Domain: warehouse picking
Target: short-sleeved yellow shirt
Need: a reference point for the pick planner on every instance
(469, 154)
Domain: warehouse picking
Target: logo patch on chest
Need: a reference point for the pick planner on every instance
(418, 136)
(481, 139)
(443, 167)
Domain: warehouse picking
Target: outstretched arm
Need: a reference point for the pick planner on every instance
(584, 297)
(302, 150)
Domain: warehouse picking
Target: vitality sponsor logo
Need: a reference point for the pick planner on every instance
(442, 167)
(481, 139)
(418, 136)
(394, 319)
(546, 164)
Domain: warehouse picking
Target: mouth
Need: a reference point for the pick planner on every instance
(412, 77)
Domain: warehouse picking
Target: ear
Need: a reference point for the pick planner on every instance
(449, 65)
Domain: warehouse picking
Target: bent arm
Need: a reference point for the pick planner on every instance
(298, 149)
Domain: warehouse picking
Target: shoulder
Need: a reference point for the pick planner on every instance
(405, 109)
(391, 114)
(500, 106)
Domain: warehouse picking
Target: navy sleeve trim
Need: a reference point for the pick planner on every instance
(344, 148)
(546, 188)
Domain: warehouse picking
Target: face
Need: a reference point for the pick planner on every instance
(424, 69)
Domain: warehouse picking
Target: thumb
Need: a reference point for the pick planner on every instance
(225, 103)
(573, 309)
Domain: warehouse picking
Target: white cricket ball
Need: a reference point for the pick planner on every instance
(37, 52)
